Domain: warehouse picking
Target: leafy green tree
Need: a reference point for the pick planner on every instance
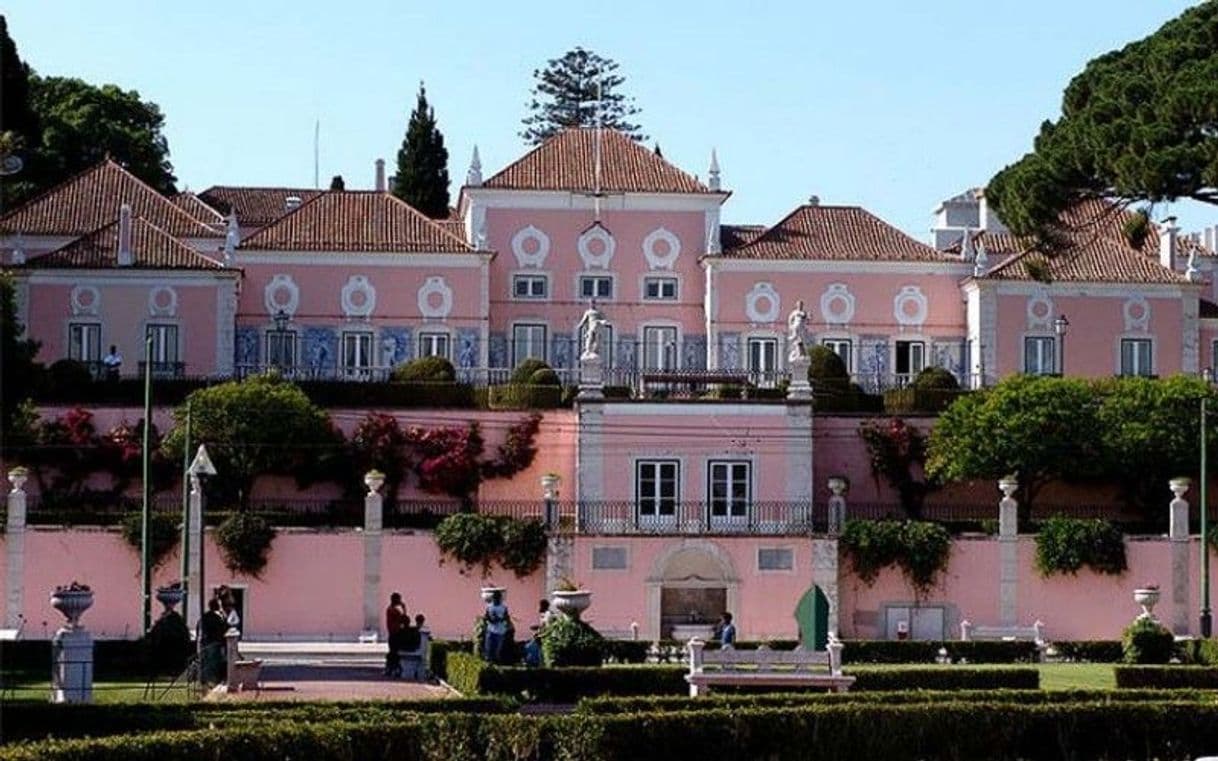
(567, 93)
(422, 178)
(1038, 428)
(1137, 125)
(18, 122)
(18, 370)
(254, 427)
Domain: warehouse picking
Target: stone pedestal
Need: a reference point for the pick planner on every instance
(14, 550)
(1008, 537)
(560, 562)
(72, 666)
(374, 509)
(196, 600)
(837, 505)
(1180, 561)
(591, 377)
(800, 388)
(825, 574)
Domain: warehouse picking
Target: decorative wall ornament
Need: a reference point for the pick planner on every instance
(837, 304)
(320, 349)
(281, 293)
(910, 306)
(693, 352)
(435, 298)
(163, 301)
(395, 346)
(762, 303)
(661, 257)
(247, 347)
(729, 351)
(467, 348)
(1040, 312)
(531, 246)
(560, 350)
(84, 300)
(358, 297)
(497, 350)
(596, 256)
(1137, 314)
(625, 351)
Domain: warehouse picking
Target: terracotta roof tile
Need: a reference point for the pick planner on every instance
(454, 226)
(91, 199)
(567, 161)
(197, 208)
(254, 207)
(843, 233)
(151, 248)
(735, 236)
(358, 220)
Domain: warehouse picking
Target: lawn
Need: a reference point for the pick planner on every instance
(1053, 676)
(103, 692)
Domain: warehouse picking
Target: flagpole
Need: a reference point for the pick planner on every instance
(145, 555)
(185, 578)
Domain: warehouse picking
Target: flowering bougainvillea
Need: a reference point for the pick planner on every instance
(898, 452)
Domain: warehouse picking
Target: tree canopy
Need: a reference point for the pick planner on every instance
(422, 177)
(18, 122)
(567, 92)
(1139, 124)
(18, 371)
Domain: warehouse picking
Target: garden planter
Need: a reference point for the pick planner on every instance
(488, 592)
(1147, 597)
(72, 603)
(686, 632)
(572, 602)
(170, 597)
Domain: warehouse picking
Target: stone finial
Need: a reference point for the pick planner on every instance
(712, 174)
(125, 256)
(1193, 273)
(17, 477)
(837, 486)
(374, 480)
(1008, 486)
(966, 245)
(981, 262)
(232, 237)
(473, 177)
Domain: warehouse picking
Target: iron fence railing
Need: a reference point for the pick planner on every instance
(713, 517)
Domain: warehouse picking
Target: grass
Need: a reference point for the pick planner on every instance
(105, 692)
(1053, 676)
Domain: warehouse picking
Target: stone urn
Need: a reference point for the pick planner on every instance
(1147, 597)
(488, 591)
(1008, 485)
(170, 596)
(571, 601)
(72, 601)
(549, 486)
(374, 480)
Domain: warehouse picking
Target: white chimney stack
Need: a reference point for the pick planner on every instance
(125, 257)
(1168, 243)
(380, 175)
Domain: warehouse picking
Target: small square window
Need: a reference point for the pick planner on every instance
(609, 559)
(660, 288)
(775, 559)
(530, 286)
(596, 287)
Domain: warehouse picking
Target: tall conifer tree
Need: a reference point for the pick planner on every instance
(567, 93)
(422, 176)
(19, 132)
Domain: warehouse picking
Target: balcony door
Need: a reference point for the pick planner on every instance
(657, 493)
(729, 494)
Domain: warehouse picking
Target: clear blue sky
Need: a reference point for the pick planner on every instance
(890, 104)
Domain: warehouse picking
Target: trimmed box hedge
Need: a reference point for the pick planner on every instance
(1166, 677)
(910, 651)
(1090, 651)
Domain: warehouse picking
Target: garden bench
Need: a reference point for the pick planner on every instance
(1035, 633)
(242, 674)
(769, 668)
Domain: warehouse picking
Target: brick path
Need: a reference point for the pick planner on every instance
(312, 683)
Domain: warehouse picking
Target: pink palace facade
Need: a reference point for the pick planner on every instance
(349, 284)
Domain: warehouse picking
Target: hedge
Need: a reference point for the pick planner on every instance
(844, 732)
(1166, 677)
(1090, 651)
(909, 651)
(111, 657)
(520, 396)
(945, 678)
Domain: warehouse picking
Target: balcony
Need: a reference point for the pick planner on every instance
(672, 518)
(171, 370)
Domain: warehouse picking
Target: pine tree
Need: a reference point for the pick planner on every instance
(566, 95)
(19, 132)
(422, 177)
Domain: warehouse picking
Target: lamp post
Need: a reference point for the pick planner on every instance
(281, 320)
(1207, 620)
(1060, 326)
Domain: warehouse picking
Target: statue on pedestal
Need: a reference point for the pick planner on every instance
(797, 323)
(593, 325)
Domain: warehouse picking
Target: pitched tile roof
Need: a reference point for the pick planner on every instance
(735, 236)
(91, 199)
(567, 161)
(195, 207)
(151, 248)
(842, 233)
(254, 207)
(356, 220)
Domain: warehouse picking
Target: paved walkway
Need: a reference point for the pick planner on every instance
(312, 683)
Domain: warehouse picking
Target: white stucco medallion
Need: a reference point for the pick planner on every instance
(909, 306)
(530, 246)
(596, 247)
(837, 304)
(162, 301)
(281, 293)
(1137, 314)
(84, 301)
(435, 298)
(358, 297)
(762, 303)
(1040, 312)
(661, 247)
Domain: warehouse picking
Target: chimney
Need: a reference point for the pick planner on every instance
(125, 258)
(1168, 243)
(292, 202)
(380, 175)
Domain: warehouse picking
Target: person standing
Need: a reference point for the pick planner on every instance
(113, 362)
(496, 618)
(727, 632)
(396, 621)
(212, 628)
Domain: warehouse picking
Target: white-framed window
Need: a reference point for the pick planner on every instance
(1040, 355)
(843, 348)
(657, 488)
(530, 286)
(659, 347)
(658, 288)
(84, 341)
(595, 287)
(528, 341)
(763, 358)
(164, 348)
(775, 559)
(606, 343)
(729, 489)
(910, 359)
(435, 345)
(357, 353)
(1136, 357)
(281, 348)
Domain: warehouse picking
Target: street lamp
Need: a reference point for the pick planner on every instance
(1060, 326)
(281, 320)
(1207, 620)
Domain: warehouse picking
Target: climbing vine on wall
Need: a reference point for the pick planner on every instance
(475, 540)
(921, 550)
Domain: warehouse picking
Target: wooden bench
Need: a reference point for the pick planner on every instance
(970, 632)
(769, 668)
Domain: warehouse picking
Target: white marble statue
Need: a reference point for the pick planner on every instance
(593, 325)
(797, 323)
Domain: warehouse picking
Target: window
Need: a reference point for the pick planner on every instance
(530, 286)
(164, 349)
(763, 359)
(609, 559)
(84, 342)
(434, 345)
(281, 348)
(660, 288)
(528, 341)
(775, 559)
(596, 287)
(911, 359)
(357, 353)
(657, 489)
(1040, 355)
(729, 490)
(659, 348)
(840, 347)
(1135, 357)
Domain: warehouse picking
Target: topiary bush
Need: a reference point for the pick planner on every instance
(544, 377)
(568, 641)
(425, 370)
(936, 379)
(826, 368)
(64, 374)
(1065, 545)
(525, 370)
(245, 541)
(1147, 641)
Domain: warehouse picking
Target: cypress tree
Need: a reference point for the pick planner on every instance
(19, 132)
(337, 183)
(422, 177)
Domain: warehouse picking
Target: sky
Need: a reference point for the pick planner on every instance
(889, 104)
